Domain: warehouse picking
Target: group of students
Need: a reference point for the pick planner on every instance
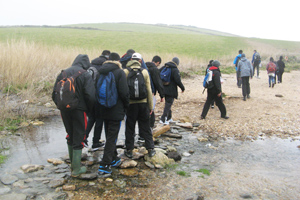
(246, 69)
(79, 117)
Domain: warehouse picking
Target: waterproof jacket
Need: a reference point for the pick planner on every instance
(97, 62)
(280, 66)
(244, 68)
(117, 112)
(156, 80)
(134, 64)
(236, 60)
(217, 88)
(84, 87)
(171, 89)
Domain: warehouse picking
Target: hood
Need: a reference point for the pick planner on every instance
(243, 59)
(133, 64)
(150, 64)
(82, 60)
(171, 64)
(99, 61)
(109, 66)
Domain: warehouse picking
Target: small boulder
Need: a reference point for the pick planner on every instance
(31, 168)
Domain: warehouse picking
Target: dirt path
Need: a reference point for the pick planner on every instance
(262, 114)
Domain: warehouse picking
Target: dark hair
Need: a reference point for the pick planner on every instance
(156, 59)
(281, 57)
(272, 59)
(114, 56)
(106, 53)
(240, 51)
(130, 51)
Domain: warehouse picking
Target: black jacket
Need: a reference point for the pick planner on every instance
(216, 79)
(118, 111)
(171, 89)
(97, 62)
(280, 66)
(84, 87)
(156, 80)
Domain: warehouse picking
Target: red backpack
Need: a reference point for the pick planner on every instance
(272, 67)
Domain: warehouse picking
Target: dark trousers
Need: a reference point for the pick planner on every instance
(75, 123)
(167, 109)
(138, 112)
(112, 129)
(219, 102)
(152, 120)
(238, 80)
(98, 127)
(279, 76)
(256, 65)
(245, 86)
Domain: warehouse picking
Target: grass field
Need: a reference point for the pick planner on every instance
(31, 57)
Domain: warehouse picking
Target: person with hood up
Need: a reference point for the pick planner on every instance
(280, 66)
(96, 64)
(139, 109)
(170, 90)
(113, 116)
(245, 71)
(157, 84)
(215, 93)
(75, 120)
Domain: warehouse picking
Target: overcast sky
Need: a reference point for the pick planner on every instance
(256, 18)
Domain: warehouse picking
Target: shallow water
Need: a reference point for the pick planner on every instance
(268, 168)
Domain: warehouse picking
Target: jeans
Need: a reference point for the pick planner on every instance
(271, 80)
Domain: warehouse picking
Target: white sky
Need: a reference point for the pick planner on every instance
(256, 18)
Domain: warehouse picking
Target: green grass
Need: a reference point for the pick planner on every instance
(11, 124)
(204, 171)
(182, 173)
(2, 158)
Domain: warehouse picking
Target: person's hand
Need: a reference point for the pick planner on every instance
(161, 99)
(182, 91)
(151, 112)
(219, 94)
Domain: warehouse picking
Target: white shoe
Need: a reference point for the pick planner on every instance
(170, 120)
(166, 122)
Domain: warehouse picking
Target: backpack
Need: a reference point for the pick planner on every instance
(208, 82)
(106, 90)
(272, 67)
(136, 84)
(165, 75)
(256, 56)
(93, 71)
(65, 94)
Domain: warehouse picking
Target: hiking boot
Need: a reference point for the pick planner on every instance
(128, 153)
(202, 117)
(116, 163)
(244, 98)
(151, 152)
(97, 146)
(104, 170)
(76, 162)
(226, 117)
(248, 96)
(273, 85)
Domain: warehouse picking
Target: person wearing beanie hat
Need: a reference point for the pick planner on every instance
(215, 93)
(114, 115)
(105, 53)
(245, 71)
(170, 89)
(235, 62)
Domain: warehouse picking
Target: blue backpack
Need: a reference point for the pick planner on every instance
(165, 75)
(107, 94)
(208, 82)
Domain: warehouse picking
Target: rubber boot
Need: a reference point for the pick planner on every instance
(70, 149)
(76, 164)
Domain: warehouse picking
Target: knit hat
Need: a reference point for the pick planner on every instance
(106, 53)
(176, 60)
(243, 55)
(114, 56)
(216, 63)
(136, 56)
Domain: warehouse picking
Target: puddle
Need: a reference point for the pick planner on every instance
(267, 168)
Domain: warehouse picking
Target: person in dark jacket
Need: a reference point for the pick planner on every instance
(236, 62)
(207, 68)
(215, 93)
(170, 90)
(113, 116)
(157, 84)
(280, 66)
(256, 60)
(126, 58)
(75, 120)
(92, 119)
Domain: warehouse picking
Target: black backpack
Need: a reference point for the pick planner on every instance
(136, 84)
(65, 94)
(257, 56)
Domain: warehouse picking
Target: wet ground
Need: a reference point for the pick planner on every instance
(267, 168)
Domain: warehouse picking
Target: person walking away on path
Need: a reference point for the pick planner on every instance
(256, 60)
(75, 120)
(170, 89)
(271, 68)
(157, 84)
(92, 119)
(245, 70)
(215, 92)
(281, 66)
(235, 62)
(207, 68)
(140, 105)
(113, 116)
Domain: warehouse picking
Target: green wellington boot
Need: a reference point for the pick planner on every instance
(70, 149)
(76, 164)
